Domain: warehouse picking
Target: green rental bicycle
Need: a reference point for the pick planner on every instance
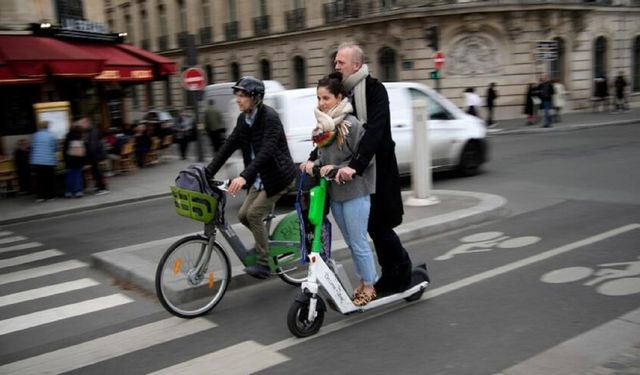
(194, 273)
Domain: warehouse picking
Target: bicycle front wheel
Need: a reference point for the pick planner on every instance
(192, 277)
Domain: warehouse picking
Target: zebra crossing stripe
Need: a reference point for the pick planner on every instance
(12, 239)
(63, 312)
(40, 271)
(107, 347)
(46, 291)
(229, 361)
(40, 255)
(5, 233)
(22, 246)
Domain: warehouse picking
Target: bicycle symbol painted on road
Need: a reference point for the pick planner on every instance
(613, 282)
(488, 241)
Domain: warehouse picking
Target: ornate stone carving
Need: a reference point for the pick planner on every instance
(514, 24)
(473, 55)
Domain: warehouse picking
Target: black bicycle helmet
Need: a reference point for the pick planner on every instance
(252, 86)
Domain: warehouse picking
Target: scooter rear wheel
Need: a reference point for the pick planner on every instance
(297, 321)
(418, 275)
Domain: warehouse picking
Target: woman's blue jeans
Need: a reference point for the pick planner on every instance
(352, 217)
(74, 181)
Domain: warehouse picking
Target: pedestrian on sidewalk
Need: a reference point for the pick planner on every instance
(214, 125)
(621, 100)
(531, 104)
(546, 93)
(472, 101)
(185, 131)
(559, 100)
(492, 95)
(21, 158)
(75, 152)
(44, 146)
(601, 94)
(95, 154)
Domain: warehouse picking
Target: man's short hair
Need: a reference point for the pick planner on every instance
(358, 53)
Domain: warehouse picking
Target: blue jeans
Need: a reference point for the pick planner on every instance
(74, 180)
(546, 106)
(352, 217)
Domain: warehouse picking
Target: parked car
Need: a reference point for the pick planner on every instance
(456, 139)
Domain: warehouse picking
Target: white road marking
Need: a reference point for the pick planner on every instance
(40, 271)
(11, 239)
(527, 261)
(5, 233)
(244, 358)
(107, 347)
(22, 246)
(63, 312)
(28, 258)
(358, 318)
(46, 291)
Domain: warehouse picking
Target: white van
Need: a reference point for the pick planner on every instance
(456, 139)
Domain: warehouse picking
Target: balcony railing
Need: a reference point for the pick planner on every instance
(181, 39)
(339, 11)
(206, 35)
(163, 43)
(295, 19)
(261, 26)
(231, 30)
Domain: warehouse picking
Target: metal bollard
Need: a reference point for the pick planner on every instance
(421, 166)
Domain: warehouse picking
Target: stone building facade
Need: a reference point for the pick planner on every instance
(294, 41)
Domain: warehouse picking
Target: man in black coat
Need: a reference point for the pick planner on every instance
(371, 105)
(268, 172)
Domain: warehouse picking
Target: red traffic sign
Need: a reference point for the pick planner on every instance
(193, 79)
(438, 58)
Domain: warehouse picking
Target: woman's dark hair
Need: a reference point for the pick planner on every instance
(333, 83)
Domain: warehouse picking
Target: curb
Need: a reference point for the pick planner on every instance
(564, 128)
(124, 266)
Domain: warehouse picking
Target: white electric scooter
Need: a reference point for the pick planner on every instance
(306, 314)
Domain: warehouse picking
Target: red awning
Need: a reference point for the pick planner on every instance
(8, 77)
(119, 66)
(29, 57)
(162, 65)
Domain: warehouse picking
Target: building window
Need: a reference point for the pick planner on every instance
(208, 69)
(387, 62)
(232, 10)
(600, 57)
(235, 72)
(265, 69)
(636, 65)
(557, 66)
(182, 10)
(145, 29)
(300, 73)
(206, 16)
(168, 97)
(128, 24)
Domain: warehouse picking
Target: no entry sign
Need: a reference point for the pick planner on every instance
(193, 79)
(438, 58)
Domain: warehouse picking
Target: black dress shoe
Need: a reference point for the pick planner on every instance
(258, 271)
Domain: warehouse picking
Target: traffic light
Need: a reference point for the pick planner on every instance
(431, 35)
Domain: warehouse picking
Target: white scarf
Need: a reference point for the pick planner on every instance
(334, 120)
(356, 82)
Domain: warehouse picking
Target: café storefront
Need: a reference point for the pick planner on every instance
(91, 71)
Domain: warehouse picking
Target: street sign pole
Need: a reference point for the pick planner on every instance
(192, 95)
(438, 59)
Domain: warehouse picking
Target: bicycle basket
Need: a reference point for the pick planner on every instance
(194, 205)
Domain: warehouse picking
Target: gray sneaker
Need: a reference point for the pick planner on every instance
(258, 271)
(102, 192)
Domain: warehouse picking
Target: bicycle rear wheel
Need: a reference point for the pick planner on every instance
(191, 278)
(290, 269)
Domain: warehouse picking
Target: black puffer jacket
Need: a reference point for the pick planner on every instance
(272, 157)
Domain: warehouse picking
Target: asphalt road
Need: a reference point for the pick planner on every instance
(563, 264)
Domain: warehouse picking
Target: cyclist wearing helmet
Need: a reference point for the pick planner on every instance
(268, 168)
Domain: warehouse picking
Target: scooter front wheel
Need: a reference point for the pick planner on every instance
(298, 317)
